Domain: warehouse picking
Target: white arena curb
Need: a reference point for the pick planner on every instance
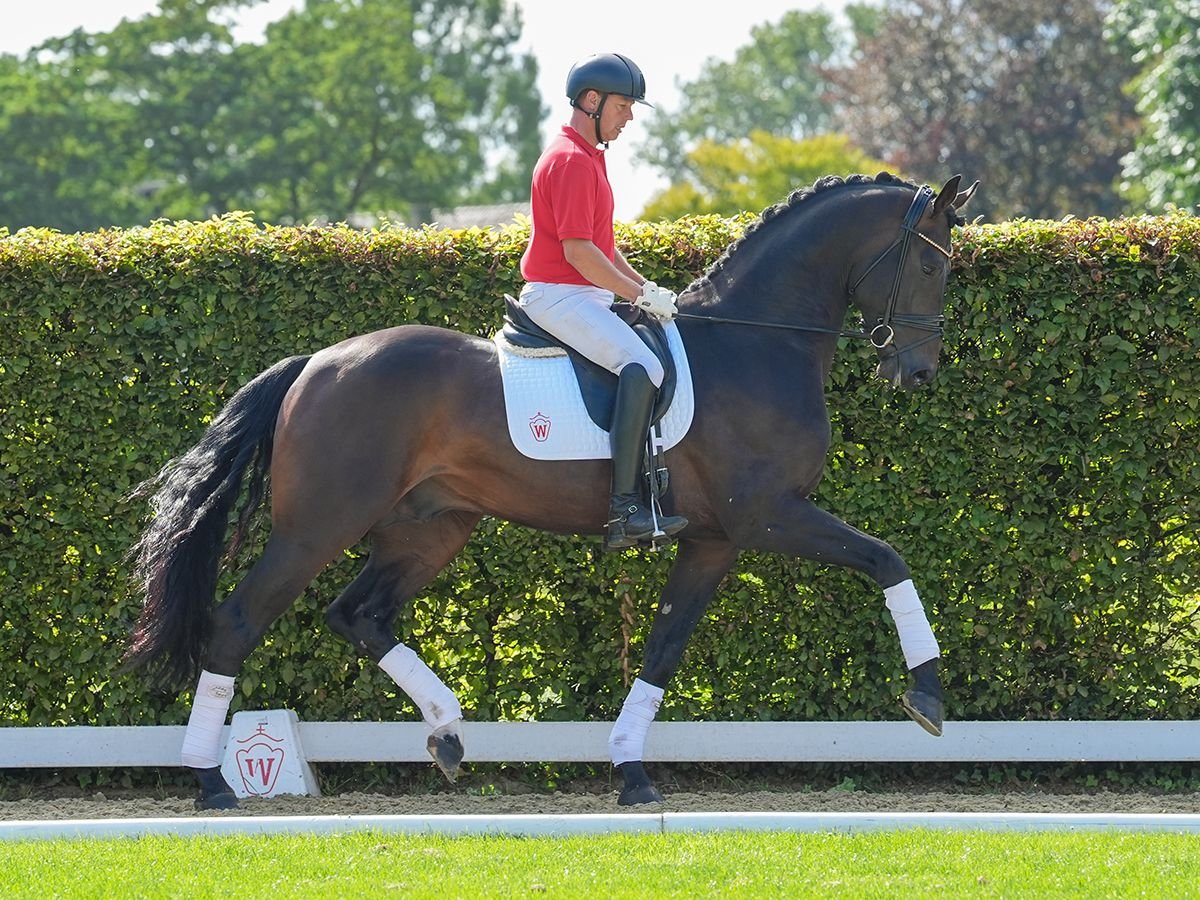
(594, 824)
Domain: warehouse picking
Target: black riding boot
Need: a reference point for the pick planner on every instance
(628, 520)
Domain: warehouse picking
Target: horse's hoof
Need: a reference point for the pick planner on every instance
(446, 747)
(215, 792)
(924, 709)
(643, 793)
(223, 800)
(638, 788)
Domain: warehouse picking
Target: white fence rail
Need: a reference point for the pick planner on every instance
(587, 742)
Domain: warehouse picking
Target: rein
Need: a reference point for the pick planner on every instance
(883, 334)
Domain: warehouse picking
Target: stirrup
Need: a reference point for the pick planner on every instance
(659, 529)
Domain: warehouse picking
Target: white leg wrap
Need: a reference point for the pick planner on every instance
(916, 637)
(202, 740)
(438, 705)
(628, 738)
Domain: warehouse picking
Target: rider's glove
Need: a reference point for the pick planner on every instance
(659, 302)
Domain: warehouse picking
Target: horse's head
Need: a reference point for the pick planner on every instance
(900, 289)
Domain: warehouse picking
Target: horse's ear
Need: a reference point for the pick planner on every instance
(946, 197)
(961, 200)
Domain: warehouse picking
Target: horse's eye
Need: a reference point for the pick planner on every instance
(928, 270)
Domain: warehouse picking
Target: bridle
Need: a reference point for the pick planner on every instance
(882, 334)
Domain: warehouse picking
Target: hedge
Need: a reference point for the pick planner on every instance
(1044, 491)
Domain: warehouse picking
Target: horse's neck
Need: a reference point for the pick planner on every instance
(788, 278)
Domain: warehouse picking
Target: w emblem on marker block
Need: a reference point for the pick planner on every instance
(540, 426)
(263, 756)
(260, 762)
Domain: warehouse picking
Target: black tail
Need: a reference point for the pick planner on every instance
(177, 558)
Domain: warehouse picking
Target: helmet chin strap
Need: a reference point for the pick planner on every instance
(596, 118)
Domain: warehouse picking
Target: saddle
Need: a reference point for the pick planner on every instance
(597, 385)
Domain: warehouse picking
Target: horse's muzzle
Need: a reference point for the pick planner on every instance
(903, 377)
(920, 378)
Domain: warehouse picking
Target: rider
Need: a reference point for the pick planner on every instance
(574, 271)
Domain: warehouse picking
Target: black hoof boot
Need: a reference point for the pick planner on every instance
(637, 789)
(923, 701)
(447, 752)
(215, 792)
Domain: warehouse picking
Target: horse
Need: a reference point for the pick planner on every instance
(399, 436)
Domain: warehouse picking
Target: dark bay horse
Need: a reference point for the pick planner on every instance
(400, 436)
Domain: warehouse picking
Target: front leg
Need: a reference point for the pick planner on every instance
(796, 526)
(698, 569)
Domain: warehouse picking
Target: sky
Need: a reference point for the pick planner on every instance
(670, 40)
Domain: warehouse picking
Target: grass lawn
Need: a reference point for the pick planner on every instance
(905, 863)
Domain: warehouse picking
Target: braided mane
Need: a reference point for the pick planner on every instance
(794, 199)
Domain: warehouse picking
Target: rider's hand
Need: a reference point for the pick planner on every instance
(659, 302)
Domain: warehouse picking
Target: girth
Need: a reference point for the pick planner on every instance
(597, 385)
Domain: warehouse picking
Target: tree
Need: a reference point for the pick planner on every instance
(751, 174)
(1162, 39)
(64, 163)
(88, 120)
(408, 115)
(349, 105)
(776, 84)
(1024, 95)
(178, 74)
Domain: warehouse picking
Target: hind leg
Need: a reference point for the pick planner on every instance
(406, 556)
(239, 623)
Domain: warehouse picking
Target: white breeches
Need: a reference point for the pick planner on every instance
(579, 315)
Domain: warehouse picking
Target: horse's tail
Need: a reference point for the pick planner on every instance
(177, 558)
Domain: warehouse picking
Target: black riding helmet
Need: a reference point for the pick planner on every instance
(608, 73)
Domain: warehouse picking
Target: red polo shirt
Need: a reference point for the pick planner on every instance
(570, 198)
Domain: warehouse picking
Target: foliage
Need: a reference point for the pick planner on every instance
(754, 172)
(1162, 39)
(1044, 493)
(400, 118)
(775, 84)
(349, 106)
(1027, 92)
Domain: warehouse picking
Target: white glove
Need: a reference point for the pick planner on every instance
(659, 302)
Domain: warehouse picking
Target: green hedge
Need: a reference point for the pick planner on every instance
(1044, 492)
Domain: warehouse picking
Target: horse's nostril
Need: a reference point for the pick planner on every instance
(922, 378)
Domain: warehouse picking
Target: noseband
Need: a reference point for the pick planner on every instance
(882, 334)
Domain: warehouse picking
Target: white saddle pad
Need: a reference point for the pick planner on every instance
(546, 415)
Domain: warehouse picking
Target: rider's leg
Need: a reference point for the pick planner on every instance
(629, 520)
(580, 316)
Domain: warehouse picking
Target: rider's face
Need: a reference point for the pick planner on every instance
(618, 112)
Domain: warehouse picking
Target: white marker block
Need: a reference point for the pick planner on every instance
(264, 757)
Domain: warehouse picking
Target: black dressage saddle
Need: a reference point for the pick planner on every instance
(597, 385)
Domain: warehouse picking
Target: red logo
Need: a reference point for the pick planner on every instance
(540, 426)
(260, 762)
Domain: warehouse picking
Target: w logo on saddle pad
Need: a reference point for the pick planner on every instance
(547, 417)
(540, 426)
